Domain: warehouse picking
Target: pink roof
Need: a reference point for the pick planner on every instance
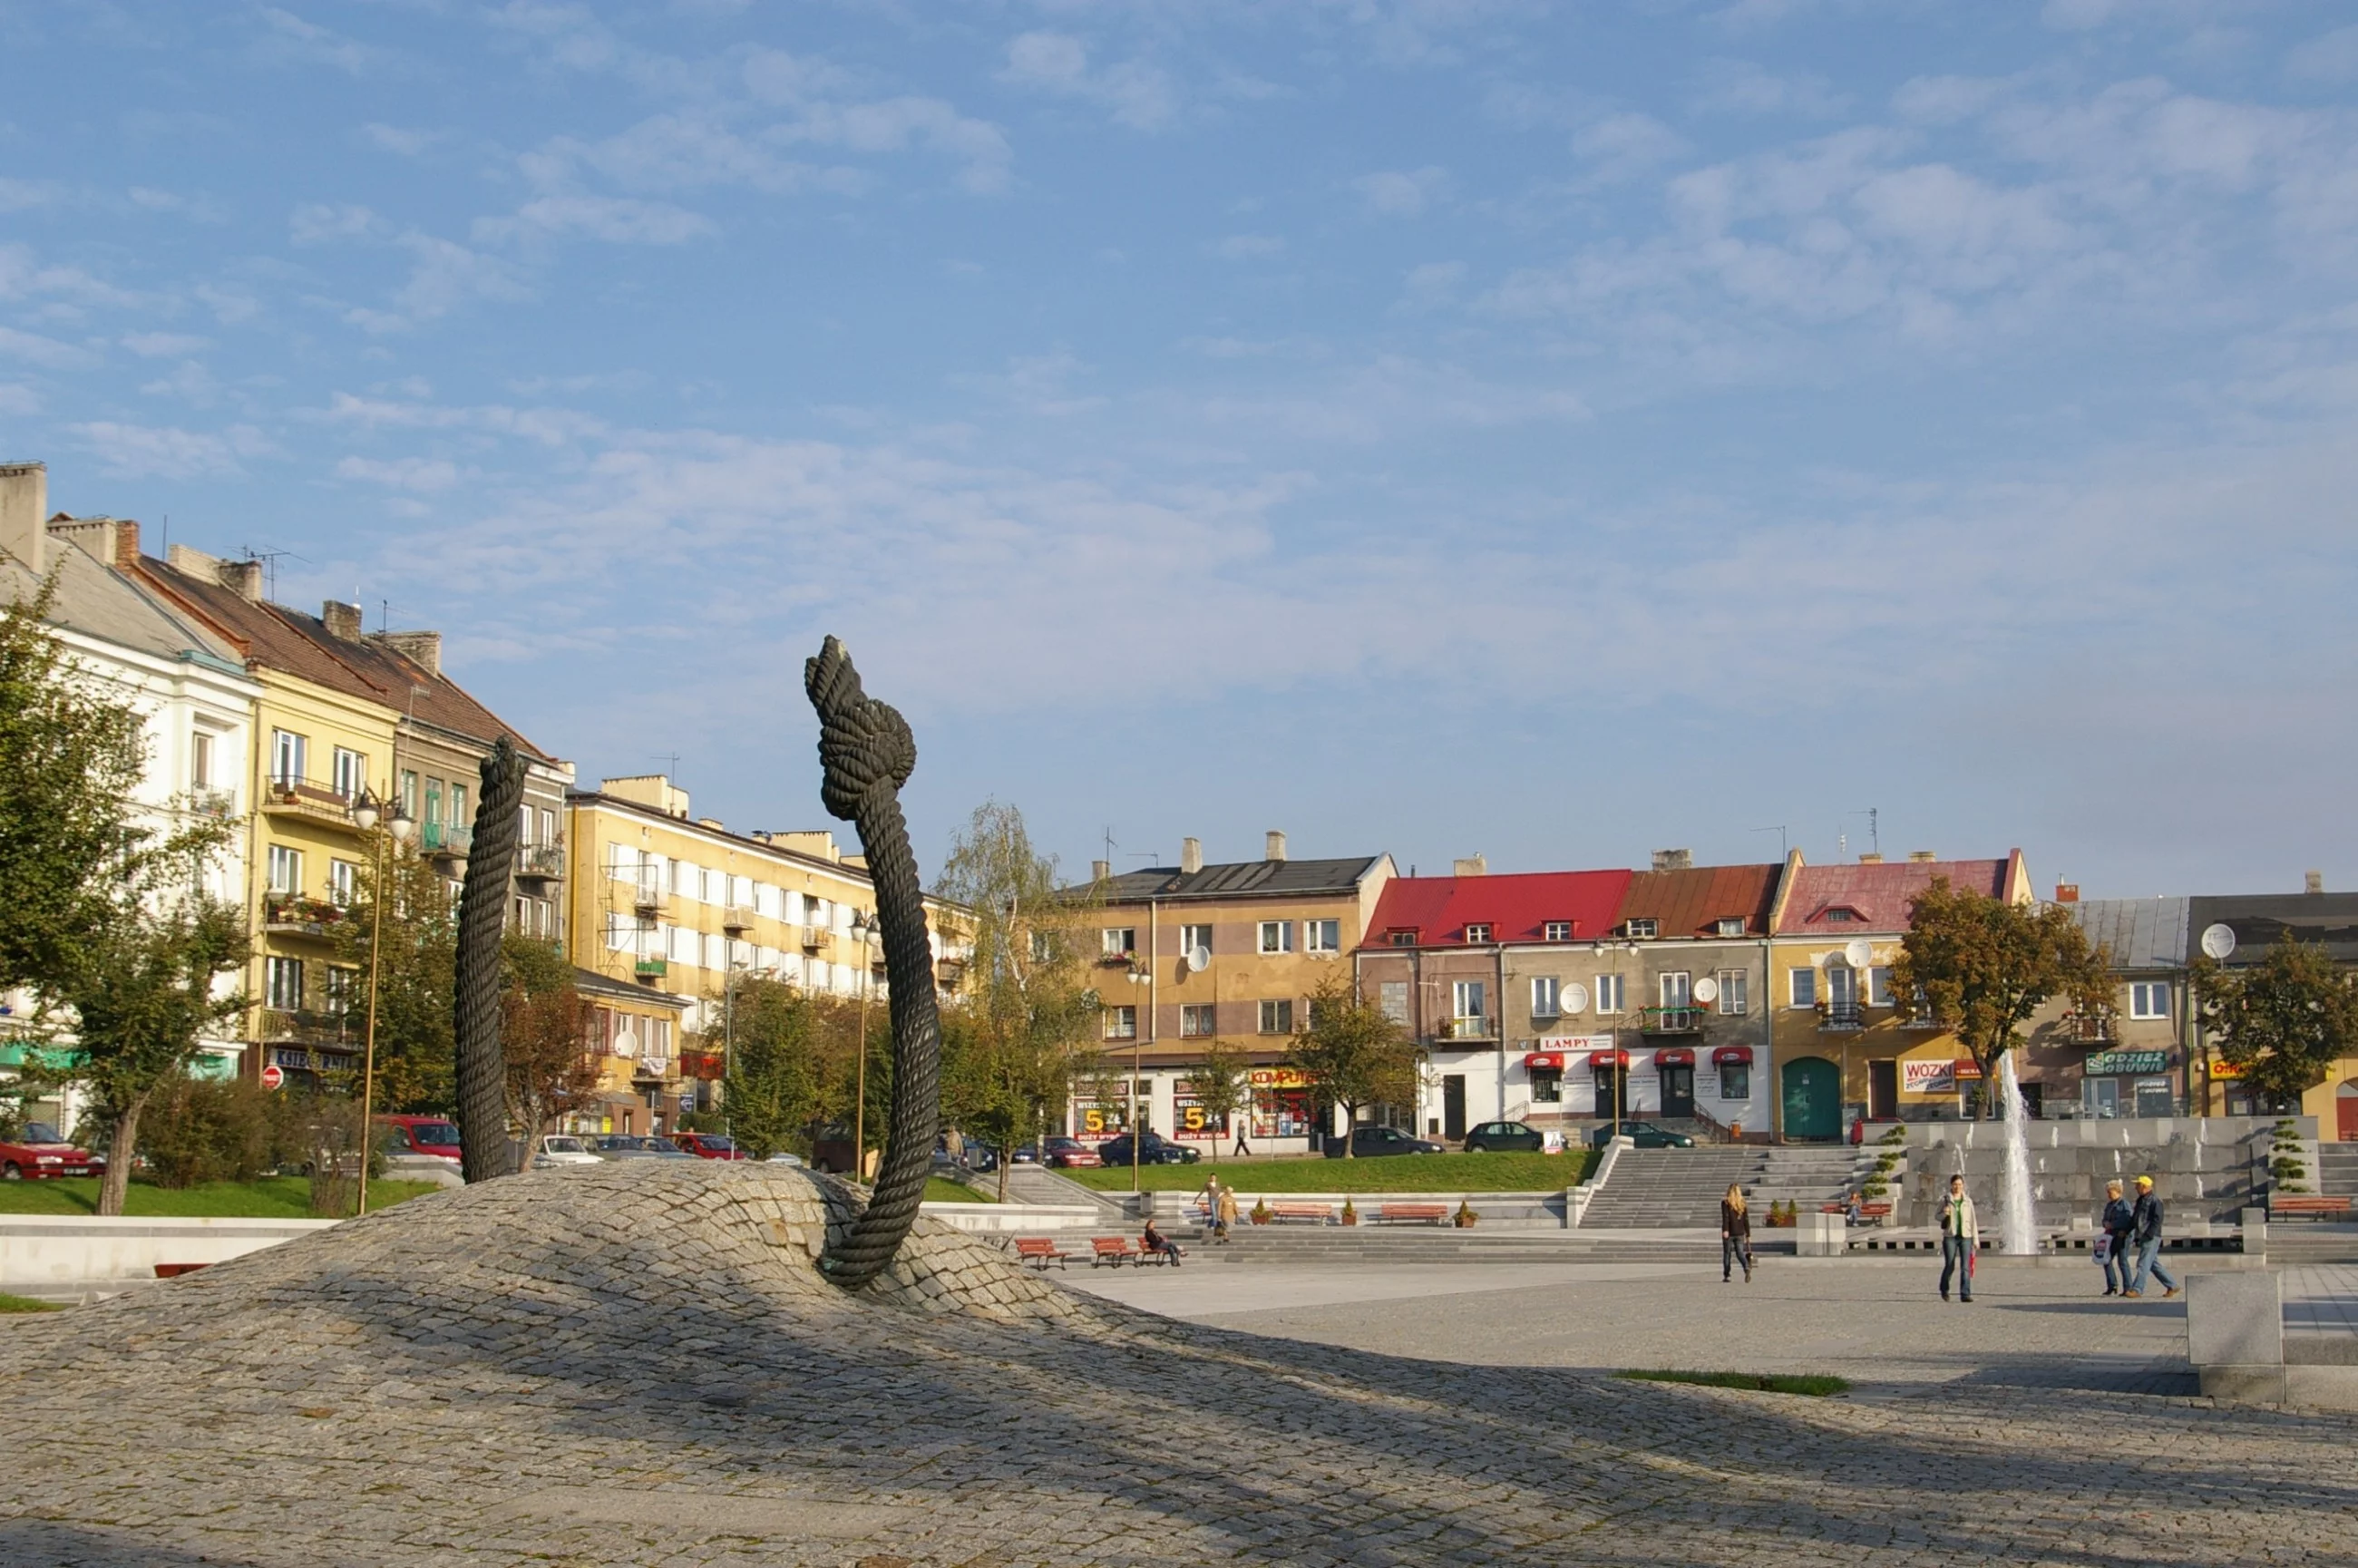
(1877, 895)
(1516, 908)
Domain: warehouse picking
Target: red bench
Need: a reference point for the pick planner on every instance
(1413, 1214)
(1039, 1251)
(2313, 1207)
(1310, 1213)
(1114, 1249)
(174, 1271)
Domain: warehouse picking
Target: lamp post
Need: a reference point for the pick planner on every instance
(365, 813)
(864, 931)
(1137, 1067)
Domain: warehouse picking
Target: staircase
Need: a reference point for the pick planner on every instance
(1663, 1189)
(1028, 1183)
(2337, 1169)
(1303, 1244)
(1808, 1176)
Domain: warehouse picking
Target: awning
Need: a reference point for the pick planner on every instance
(1678, 1056)
(1732, 1056)
(1544, 1061)
(1608, 1058)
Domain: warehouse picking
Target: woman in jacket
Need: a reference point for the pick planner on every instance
(1734, 1234)
(2119, 1226)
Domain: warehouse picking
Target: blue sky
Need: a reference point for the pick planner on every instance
(1554, 432)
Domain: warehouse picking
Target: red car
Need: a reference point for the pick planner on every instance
(709, 1146)
(1071, 1154)
(41, 1152)
(421, 1135)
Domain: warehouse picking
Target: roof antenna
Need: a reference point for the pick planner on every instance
(1783, 852)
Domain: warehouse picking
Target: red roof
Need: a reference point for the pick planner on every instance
(1692, 903)
(1516, 908)
(1876, 896)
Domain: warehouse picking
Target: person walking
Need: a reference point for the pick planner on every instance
(2146, 1219)
(2119, 1226)
(1227, 1213)
(1244, 1150)
(1210, 1198)
(1734, 1234)
(1959, 1236)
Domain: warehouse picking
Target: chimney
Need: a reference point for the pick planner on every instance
(422, 649)
(1871, 858)
(1477, 866)
(2314, 882)
(114, 540)
(1101, 871)
(1275, 849)
(25, 513)
(1921, 856)
(2067, 892)
(1674, 860)
(1191, 856)
(344, 620)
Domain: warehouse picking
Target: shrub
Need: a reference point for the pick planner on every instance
(1260, 1213)
(208, 1131)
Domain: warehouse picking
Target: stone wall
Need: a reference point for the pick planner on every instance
(2205, 1168)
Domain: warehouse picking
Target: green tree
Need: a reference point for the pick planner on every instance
(543, 1029)
(776, 1082)
(1355, 1052)
(2285, 1020)
(1025, 1005)
(1221, 1087)
(1983, 966)
(415, 975)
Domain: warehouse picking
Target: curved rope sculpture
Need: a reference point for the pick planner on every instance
(475, 996)
(868, 753)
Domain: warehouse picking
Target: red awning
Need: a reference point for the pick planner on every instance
(1545, 1061)
(1678, 1056)
(1732, 1056)
(1608, 1058)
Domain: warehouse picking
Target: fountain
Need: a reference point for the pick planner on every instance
(2019, 1232)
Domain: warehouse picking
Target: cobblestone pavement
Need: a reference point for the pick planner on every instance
(634, 1364)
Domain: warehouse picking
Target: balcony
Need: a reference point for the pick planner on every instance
(737, 919)
(650, 968)
(1467, 1029)
(950, 973)
(541, 862)
(2098, 1028)
(450, 839)
(650, 898)
(1839, 1017)
(308, 1026)
(818, 942)
(217, 803)
(286, 915)
(314, 802)
(1670, 1020)
(652, 1068)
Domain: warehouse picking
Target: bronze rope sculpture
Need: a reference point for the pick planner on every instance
(482, 1074)
(866, 753)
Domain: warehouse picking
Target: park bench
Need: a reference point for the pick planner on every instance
(174, 1271)
(1114, 1249)
(1413, 1214)
(1313, 1213)
(1039, 1251)
(2315, 1208)
(1867, 1211)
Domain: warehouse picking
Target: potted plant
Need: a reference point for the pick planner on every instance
(1350, 1215)
(1466, 1216)
(1260, 1215)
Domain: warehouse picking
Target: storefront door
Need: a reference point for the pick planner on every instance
(2345, 1112)
(1612, 1088)
(1813, 1099)
(1453, 1105)
(1883, 1091)
(2100, 1098)
(1678, 1091)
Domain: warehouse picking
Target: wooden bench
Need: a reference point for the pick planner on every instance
(2298, 1204)
(1310, 1213)
(1039, 1251)
(1114, 1249)
(174, 1271)
(1413, 1214)
(1865, 1211)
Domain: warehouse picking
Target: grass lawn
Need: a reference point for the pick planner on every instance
(1816, 1385)
(1392, 1173)
(27, 1304)
(272, 1197)
(941, 1189)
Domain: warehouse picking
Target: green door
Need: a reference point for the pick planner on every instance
(1813, 1099)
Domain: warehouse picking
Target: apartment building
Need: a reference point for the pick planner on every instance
(2129, 1058)
(1199, 955)
(2249, 925)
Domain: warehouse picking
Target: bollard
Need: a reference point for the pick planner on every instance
(2255, 1233)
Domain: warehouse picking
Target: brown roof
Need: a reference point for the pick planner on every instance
(277, 638)
(1693, 902)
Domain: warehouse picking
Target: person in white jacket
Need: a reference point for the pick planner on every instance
(1958, 1238)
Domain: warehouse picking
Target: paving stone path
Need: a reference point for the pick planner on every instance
(636, 1364)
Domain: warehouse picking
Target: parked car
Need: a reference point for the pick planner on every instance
(562, 1149)
(1069, 1153)
(1644, 1133)
(1369, 1141)
(634, 1146)
(1520, 1137)
(42, 1154)
(421, 1135)
(1153, 1149)
(707, 1145)
(784, 1158)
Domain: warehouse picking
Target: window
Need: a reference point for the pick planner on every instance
(352, 772)
(1193, 936)
(433, 800)
(1840, 916)
(1117, 941)
(1121, 1023)
(1547, 1086)
(409, 793)
(343, 986)
(1805, 987)
(281, 980)
(1678, 988)
(1878, 986)
(1322, 935)
(547, 826)
(459, 816)
(1402, 938)
(343, 882)
(1557, 931)
(200, 762)
(1277, 1018)
(1197, 1021)
(1733, 925)
(1610, 995)
(1841, 989)
(1735, 990)
(1641, 928)
(1736, 1081)
(288, 752)
(1544, 997)
(1392, 997)
(2149, 999)
(1277, 936)
(286, 870)
(1477, 931)
(1467, 999)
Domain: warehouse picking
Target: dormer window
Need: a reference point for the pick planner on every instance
(1641, 928)
(1558, 931)
(1402, 936)
(1477, 931)
(1733, 926)
(1840, 915)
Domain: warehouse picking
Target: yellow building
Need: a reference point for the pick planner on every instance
(631, 1027)
(1843, 1047)
(1191, 955)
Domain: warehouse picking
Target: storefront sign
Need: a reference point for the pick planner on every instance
(2223, 1068)
(1929, 1077)
(2105, 1062)
(1279, 1079)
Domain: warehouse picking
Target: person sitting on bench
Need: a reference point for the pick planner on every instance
(1853, 1209)
(1154, 1243)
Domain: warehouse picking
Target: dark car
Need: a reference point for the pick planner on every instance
(1645, 1134)
(1153, 1149)
(1069, 1153)
(631, 1146)
(1368, 1141)
(1520, 1137)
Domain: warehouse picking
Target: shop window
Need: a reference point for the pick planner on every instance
(1736, 1081)
(1547, 1086)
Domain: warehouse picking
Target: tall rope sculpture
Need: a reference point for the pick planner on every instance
(475, 997)
(867, 755)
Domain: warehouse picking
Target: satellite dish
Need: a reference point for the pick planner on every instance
(2218, 941)
(1859, 953)
(1707, 990)
(1199, 958)
(1575, 998)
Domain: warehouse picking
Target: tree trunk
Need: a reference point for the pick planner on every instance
(115, 1185)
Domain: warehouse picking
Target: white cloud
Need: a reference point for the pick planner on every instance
(288, 39)
(159, 451)
(1622, 146)
(1400, 193)
(1132, 92)
(1745, 87)
(427, 475)
(31, 348)
(2332, 58)
(190, 383)
(320, 224)
(164, 345)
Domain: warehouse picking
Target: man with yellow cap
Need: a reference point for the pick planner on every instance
(2147, 1220)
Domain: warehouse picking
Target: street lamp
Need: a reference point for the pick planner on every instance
(1137, 1064)
(864, 931)
(365, 812)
